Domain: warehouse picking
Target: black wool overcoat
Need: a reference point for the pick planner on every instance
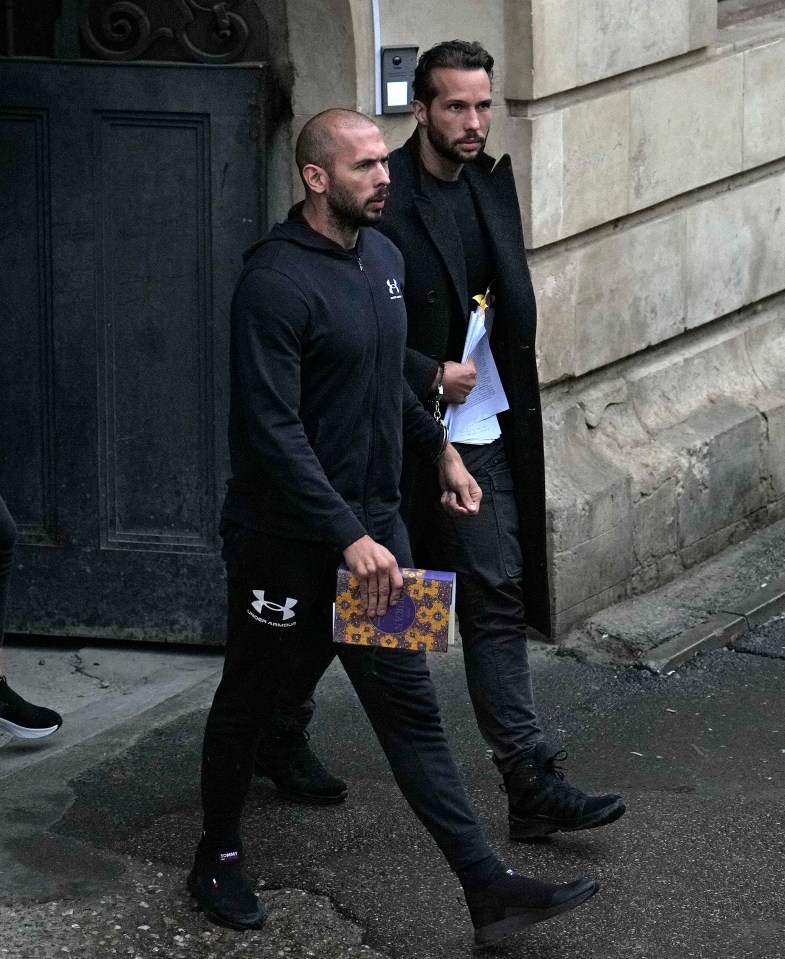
(420, 224)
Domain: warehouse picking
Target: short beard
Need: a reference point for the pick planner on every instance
(348, 212)
(445, 148)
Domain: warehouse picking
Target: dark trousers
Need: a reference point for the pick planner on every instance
(7, 540)
(280, 619)
(485, 553)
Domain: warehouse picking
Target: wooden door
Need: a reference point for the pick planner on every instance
(127, 195)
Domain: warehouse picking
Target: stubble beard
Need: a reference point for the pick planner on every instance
(449, 150)
(350, 212)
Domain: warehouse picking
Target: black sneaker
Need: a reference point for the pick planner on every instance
(23, 719)
(222, 890)
(541, 801)
(513, 902)
(288, 760)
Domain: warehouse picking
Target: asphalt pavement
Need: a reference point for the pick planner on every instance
(99, 824)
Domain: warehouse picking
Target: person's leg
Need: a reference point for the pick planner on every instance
(284, 754)
(17, 716)
(254, 664)
(272, 586)
(296, 705)
(486, 554)
(399, 698)
(401, 704)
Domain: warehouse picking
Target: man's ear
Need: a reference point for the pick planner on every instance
(420, 112)
(315, 178)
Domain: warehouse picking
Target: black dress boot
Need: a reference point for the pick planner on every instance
(288, 760)
(541, 801)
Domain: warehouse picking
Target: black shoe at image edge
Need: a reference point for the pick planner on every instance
(23, 719)
(298, 775)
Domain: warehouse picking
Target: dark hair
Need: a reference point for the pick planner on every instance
(451, 55)
(316, 142)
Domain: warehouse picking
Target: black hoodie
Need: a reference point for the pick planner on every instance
(318, 403)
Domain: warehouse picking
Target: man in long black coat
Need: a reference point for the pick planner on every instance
(454, 214)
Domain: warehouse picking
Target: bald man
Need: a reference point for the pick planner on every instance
(319, 409)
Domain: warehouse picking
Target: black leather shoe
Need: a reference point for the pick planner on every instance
(222, 890)
(288, 760)
(541, 801)
(513, 902)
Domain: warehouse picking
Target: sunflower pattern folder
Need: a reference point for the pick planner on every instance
(423, 618)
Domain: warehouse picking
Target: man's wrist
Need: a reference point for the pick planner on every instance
(447, 449)
(437, 387)
(445, 444)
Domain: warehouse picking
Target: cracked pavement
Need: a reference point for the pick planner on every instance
(96, 838)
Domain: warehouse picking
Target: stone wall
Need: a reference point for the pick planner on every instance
(649, 150)
(555, 45)
(659, 462)
(655, 204)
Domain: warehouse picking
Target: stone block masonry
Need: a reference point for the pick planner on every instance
(616, 151)
(555, 45)
(617, 294)
(660, 463)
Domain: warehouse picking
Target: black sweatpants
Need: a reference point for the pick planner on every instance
(280, 611)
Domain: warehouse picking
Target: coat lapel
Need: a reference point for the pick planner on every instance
(501, 219)
(496, 201)
(493, 188)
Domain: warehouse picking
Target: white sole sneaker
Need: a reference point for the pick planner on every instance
(25, 732)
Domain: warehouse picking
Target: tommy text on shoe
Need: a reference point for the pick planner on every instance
(514, 902)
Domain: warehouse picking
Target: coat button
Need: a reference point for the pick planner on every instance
(430, 296)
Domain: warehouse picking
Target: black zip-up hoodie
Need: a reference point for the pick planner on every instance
(318, 403)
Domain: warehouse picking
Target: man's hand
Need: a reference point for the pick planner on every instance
(458, 381)
(461, 495)
(377, 570)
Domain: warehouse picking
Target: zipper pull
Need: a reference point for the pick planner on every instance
(359, 260)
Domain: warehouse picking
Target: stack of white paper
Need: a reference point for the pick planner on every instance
(475, 421)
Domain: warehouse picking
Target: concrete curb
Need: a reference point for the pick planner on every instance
(719, 630)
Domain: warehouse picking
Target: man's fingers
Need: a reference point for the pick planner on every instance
(373, 592)
(377, 572)
(464, 503)
(384, 592)
(470, 495)
(450, 502)
(396, 586)
(390, 587)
